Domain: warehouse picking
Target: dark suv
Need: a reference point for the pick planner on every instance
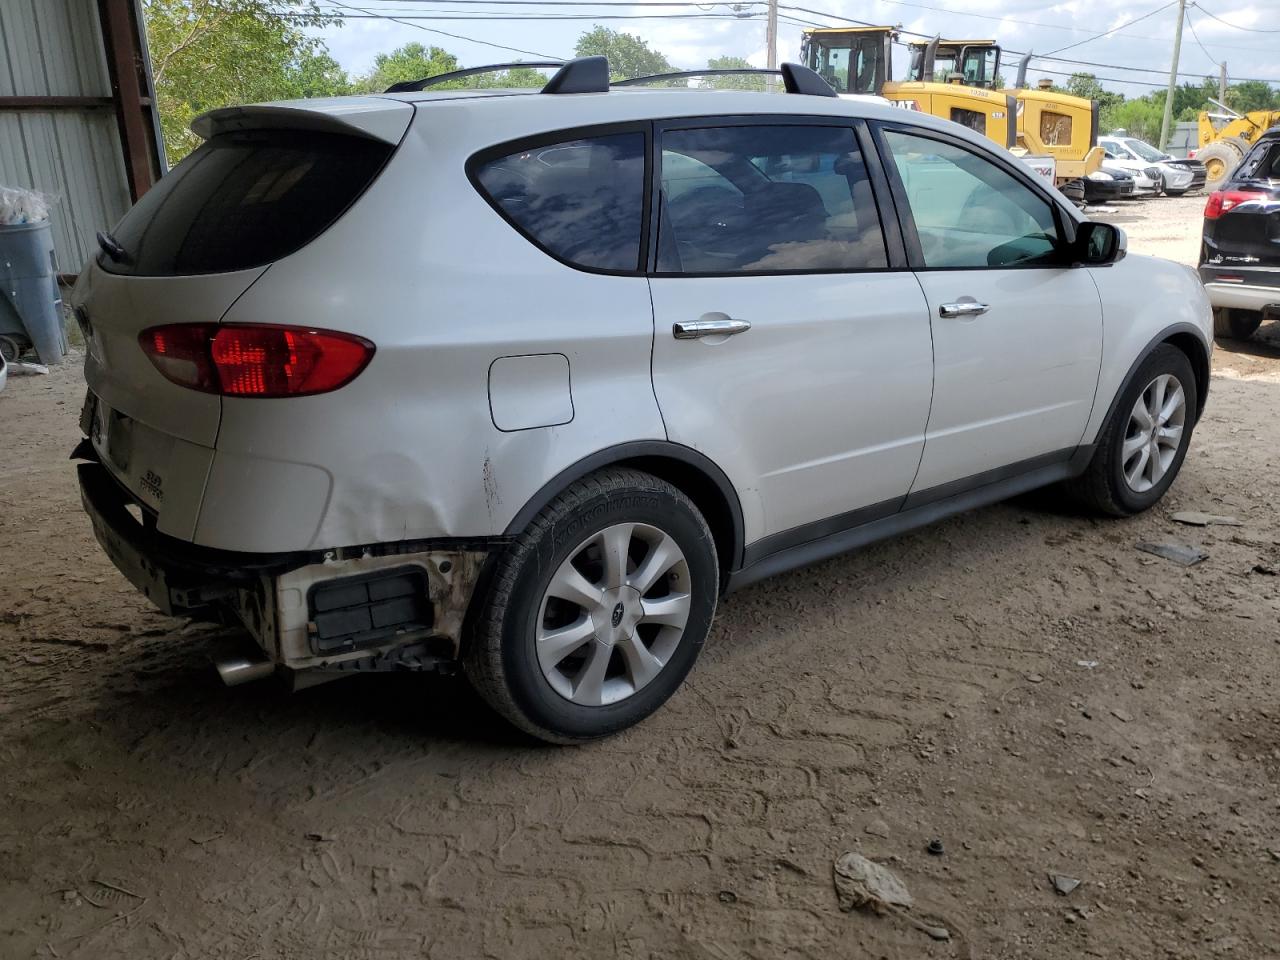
(1240, 255)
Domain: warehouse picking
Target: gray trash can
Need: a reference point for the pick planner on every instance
(30, 304)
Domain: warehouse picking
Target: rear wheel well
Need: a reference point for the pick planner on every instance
(706, 496)
(1196, 352)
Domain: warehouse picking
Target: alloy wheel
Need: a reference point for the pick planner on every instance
(1154, 433)
(613, 614)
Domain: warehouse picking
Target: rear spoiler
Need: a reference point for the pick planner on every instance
(376, 118)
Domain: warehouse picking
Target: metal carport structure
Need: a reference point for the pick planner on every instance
(77, 113)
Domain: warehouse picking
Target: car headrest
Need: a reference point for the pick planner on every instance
(786, 201)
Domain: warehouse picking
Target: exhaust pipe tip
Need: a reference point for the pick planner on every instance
(237, 670)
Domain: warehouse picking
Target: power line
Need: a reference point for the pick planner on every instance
(1035, 56)
(1234, 26)
(1195, 36)
(458, 36)
(1107, 33)
(748, 3)
(560, 3)
(757, 3)
(902, 3)
(498, 16)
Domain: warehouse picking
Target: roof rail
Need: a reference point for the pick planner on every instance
(581, 75)
(688, 74)
(591, 75)
(795, 78)
(408, 86)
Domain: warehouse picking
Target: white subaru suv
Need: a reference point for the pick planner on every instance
(522, 382)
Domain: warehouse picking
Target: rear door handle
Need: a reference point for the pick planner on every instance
(709, 328)
(966, 307)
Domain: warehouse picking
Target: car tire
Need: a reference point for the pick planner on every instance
(1235, 324)
(1120, 480)
(569, 647)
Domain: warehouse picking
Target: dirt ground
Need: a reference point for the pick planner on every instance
(1018, 682)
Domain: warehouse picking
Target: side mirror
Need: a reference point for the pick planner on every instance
(1098, 244)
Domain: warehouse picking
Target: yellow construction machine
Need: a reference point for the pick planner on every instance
(1226, 137)
(957, 80)
(1058, 125)
(1049, 123)
(858, 61)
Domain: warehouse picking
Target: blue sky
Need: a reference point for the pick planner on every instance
(1017, 24)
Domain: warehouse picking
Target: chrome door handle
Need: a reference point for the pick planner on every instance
(709, 328)
(962, 308)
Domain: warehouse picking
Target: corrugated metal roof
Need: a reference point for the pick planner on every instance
(54, 48)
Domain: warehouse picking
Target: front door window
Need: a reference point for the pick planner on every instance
(968, 211)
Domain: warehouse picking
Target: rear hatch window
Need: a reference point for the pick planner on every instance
(244, 199)
(1261, 163)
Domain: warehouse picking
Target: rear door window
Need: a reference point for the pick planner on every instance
(752, 199)
(243, 200)
(582, 201)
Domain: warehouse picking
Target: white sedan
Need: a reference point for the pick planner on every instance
(1151, 170)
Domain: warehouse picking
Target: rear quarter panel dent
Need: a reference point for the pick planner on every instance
(406, 443)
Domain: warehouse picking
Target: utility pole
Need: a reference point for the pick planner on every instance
(771, 35)
(1222, 82)
(1173, 76)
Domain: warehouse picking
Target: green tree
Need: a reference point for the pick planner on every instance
(1190, 98)
(1250, 95)
(629, 56)
(742, 82)
(1138, 118)
(1088, 86)
(317, 75)
(211, 53)
(413, 61)
(518, 77)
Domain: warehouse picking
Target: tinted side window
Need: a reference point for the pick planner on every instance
(581, 200)
(748, 199)
(968, 212)
(245, 199)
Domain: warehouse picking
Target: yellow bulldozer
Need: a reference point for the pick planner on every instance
(1226, 137)
(958, 80)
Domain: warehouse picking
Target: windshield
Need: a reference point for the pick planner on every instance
(850, 66)
(944, 65)
(1146, 151)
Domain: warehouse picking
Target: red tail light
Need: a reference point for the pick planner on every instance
(1220, 201)
(252, 360)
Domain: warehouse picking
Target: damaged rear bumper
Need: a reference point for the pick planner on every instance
(351, 609)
